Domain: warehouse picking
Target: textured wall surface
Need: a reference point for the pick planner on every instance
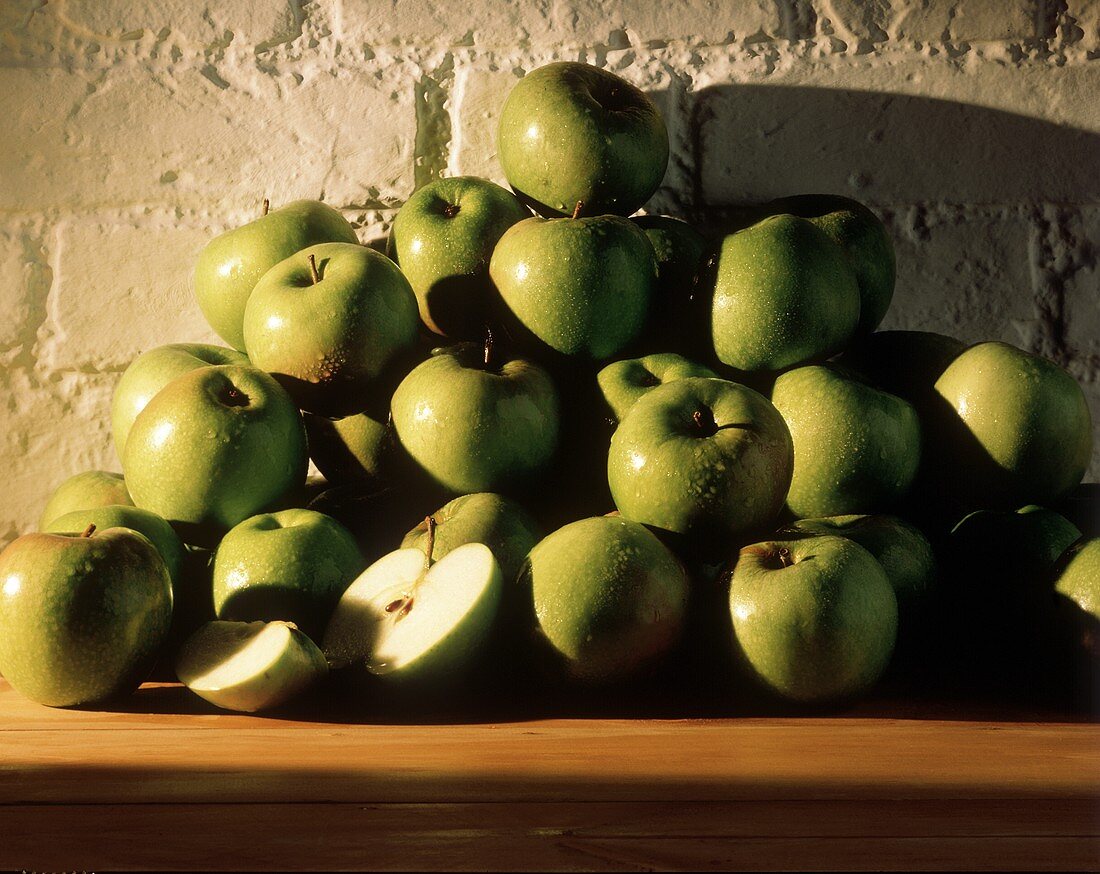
(133, 130)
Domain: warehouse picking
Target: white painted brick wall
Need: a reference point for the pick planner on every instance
(135, 129)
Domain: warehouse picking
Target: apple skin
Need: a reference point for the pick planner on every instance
(359, 449)
(213, 447)
(904, 363)
(903, 551)
(1077, 589)
(498, 522)
(442, 238)
(232, 263)
(1012, 428)
(863, 239)
(328, 342)
(153, 370)
(578, 288)
(819, 630)
(477, 429)
(82, 619)
(609, 598)
(624, 382)
(667, 471)
(783, 294)
(156, 529)
(572, 132)
(83, 491)
(290, 566)
(856, 449)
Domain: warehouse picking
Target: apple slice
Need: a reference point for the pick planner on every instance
(249, 666)
(408, 617)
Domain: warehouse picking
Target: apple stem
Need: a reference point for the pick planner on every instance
(266, 207)
(488, 356)
(313, 269)
(785, 557)
(577, 209)
(429, 521)
(89, 531)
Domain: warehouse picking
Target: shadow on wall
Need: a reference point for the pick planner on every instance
(751, 143)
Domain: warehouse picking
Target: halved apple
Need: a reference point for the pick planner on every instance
(249, 666)
(407, 617)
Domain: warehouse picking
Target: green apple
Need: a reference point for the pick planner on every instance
(292, 566)
(784, 294)
(624, 382)
(677, 307)
(153, 370)
(814, 619)
(575, 287)
(1013, 428)
(856, 449)
(232, 263)
(902, 550)
(355, 449)
(571, 131)
(476, 424)
(249, 666)
(498, 522)
(609, 597)
(159, 532)
(701, 457)
(82, 617)
(1077, 585)
(997, 550)
(863, 239)
(213, 447)
(326, 323)
(904, 363)
(83, 491)
(408, 618)
(443, 238)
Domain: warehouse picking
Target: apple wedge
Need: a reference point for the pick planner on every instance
(407, 617)
(249, 666)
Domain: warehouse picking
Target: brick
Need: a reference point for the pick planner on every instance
(25, 277)
(51, 431)
(501, 24)
(963, 275)
(930, 20)
(136, 138)
(914, 131)
(256, 23)
(121, 288)
(1081, 314)
(1085, 15)
(709, 22)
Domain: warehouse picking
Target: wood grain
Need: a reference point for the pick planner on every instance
(182, 786)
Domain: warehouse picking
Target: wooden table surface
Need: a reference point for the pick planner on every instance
(168, 782)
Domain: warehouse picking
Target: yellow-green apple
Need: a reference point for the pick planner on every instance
(814, 619)
(159, 532)
(856, 449)
(609, 597)
(213, 447)
(783, 294)
(232, 263)
(82, 616)
(83, 491)
(474, 423)
(624, 382)
(328, 321)
(443, 238)
(574, 287)
(863, 239)
(1012, 428)
(571, 131)
(704, 458)
(292, 566)
(153, 370)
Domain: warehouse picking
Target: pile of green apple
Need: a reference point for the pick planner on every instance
(563, 446)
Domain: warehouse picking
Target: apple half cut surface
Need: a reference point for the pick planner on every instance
(249, 666)
(408, 618)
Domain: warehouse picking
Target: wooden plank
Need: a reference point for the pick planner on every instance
(1002, 835)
